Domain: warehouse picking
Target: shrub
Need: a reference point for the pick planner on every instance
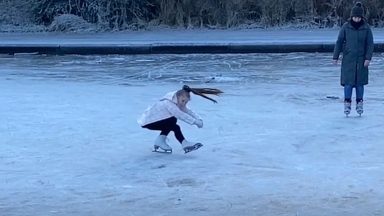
(70, 23)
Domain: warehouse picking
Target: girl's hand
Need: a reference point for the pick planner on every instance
(199, 123)
(335, 62)
(366, 63)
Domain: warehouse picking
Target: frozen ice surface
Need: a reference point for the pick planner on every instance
(277, 143)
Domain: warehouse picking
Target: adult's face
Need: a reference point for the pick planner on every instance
(356, 19)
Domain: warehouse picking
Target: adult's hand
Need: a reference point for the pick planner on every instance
(366, 63)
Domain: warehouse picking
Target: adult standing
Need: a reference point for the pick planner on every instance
(355, 40)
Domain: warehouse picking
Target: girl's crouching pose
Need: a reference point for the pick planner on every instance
(163, 116)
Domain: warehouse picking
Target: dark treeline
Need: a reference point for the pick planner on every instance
(128, 14)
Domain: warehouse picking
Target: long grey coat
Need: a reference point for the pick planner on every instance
(357, 46)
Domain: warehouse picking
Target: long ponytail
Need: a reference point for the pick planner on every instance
(202, 91)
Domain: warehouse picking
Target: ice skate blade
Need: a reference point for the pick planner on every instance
(157, 149)
(354, 117)
(192, 148)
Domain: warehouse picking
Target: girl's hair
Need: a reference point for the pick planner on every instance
(201, 92)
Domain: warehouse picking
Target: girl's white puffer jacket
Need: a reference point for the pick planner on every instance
(166, 108)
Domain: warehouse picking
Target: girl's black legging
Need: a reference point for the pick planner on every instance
(166, 126)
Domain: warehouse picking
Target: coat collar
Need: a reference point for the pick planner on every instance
(362, 27)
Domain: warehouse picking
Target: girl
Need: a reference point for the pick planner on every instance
(355, 40)
(163, 116)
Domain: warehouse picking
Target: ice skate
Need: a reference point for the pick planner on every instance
(161, 145)
(347, 108)
(359, 107)
(190, 146)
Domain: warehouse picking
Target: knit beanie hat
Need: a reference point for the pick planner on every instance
(357, 10)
